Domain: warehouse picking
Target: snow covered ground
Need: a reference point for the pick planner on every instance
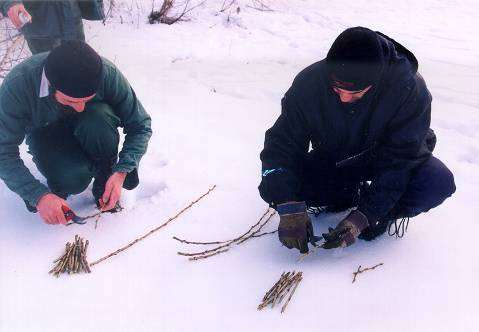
(213, 87)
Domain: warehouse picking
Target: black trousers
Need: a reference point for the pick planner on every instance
(325, 185)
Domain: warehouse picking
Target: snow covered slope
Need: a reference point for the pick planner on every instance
(213, 86)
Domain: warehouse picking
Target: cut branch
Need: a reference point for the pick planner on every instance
(359, 271)
(224, 246)
(153, 230)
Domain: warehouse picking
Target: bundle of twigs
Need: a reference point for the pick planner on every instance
(223, 246)
(73, 260)
(283, 288)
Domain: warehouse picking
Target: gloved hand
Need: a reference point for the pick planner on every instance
(346, 232)
(295, 229)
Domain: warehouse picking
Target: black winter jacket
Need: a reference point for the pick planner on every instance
(389, 127)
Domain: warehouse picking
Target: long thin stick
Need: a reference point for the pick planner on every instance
(153, 230)
(198, 243)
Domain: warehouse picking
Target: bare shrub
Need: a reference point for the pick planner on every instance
(165, 15)
(12, 47)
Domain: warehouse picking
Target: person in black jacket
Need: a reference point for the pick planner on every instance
(354, 133)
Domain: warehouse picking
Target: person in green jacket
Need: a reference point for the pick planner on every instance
(69, 103)
(45, 24)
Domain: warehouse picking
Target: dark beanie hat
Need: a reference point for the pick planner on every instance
(74, 68)
(355, 59)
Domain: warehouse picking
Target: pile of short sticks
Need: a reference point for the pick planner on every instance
(283, 288)
(73, 260)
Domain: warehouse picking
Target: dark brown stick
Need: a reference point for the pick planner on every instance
(153, 230)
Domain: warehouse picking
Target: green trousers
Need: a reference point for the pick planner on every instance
(67, 151)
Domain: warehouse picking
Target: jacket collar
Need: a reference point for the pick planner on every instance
(44, 86)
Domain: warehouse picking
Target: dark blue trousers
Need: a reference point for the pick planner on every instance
(430, 184)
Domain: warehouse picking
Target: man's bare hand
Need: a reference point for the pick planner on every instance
(112, 193)
(15, 12)
(50, 209)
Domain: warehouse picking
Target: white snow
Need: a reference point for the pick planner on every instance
(212, 88)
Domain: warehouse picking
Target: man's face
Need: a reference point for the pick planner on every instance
(77, 104)
(347, 96)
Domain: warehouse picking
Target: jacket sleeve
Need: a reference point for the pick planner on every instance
(13, 120)
(286, 145)
(135, 121)
(404, 148)
(6, 4)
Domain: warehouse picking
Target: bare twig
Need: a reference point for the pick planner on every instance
(265, 233)
(198, 243)
(359, 271)
(111, 5)
(16, 41)
(312, 251)
(224, 246)
(298, 280)
(260, 6)
(162, 15)
(97, 219)
(208, 255)
(153, 230)
(225, 6)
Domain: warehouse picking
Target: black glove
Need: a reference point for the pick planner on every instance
(346, 232)
(295, 229)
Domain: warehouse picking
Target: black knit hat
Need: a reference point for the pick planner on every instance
(355, 59)
(74, 68)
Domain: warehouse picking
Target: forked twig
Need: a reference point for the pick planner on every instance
(359, 271)
(224, 246)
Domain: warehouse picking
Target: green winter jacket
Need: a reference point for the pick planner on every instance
(22, 110)
(57, 18)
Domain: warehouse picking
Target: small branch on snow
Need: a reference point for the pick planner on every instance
(153, 230)
(359, 271)
(253, 232)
